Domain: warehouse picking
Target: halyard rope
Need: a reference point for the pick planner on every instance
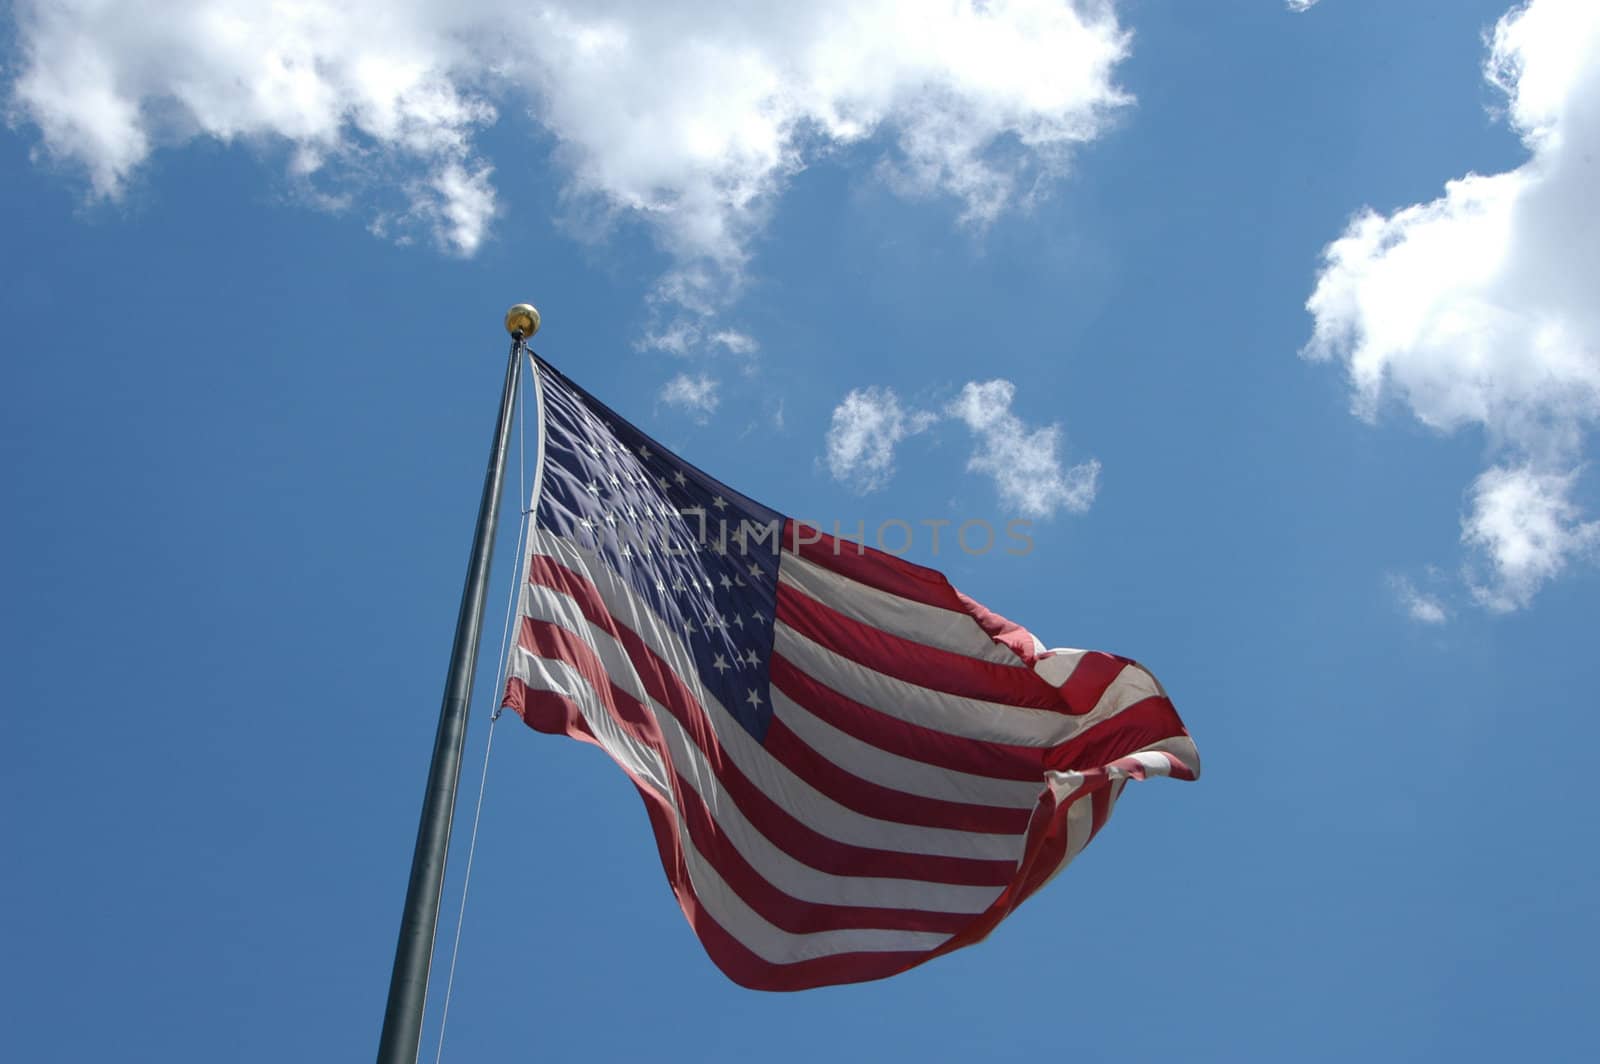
(488, 746)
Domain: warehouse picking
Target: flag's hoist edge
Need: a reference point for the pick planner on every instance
(910, 766)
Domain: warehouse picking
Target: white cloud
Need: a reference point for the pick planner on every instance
(867, 426)
(1478, 308)
(108, 81)
(1527, 529)
(1301, 5)
(687, 117)
(695, 396)
(1419, 605)
(1024, 463)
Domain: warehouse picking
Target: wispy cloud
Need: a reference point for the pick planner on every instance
(1420, 606)
(1300, 5)
(1525, 525)
(868, 424)
(685, 117)
(693, 396)
(1025, 463)
(1478, 309)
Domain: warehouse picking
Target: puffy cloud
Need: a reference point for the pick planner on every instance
(1527, 529)
(688, 117)
(1301, 5)
(867, 426)
(695, 396)
(1024, 463)
(106, 82)
(1477, 309)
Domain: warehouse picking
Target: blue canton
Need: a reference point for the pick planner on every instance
(704, 557)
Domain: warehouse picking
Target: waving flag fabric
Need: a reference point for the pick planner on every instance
(850, 767)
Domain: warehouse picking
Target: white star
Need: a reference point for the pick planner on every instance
(611, 520)
(588, 525)
(738, 619)
(720, 503)
(615, 483)
(726, 583)
(680, 478)
(627, 552)
(594, 488)
(752, 659)
(661, 585)
(644, 452)
(755, 698)
(755, 570)
(758, 616)
(720, 663)
(593, 448)
(677, 585)
(663, 482)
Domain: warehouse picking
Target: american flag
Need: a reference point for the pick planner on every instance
(850, 767)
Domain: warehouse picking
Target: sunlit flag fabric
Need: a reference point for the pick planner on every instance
(850, 767)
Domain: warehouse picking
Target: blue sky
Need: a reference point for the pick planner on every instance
(252, 293)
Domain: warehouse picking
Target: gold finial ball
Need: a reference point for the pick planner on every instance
(522, 321)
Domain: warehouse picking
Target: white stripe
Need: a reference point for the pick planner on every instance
(788, 874)
(545, 674)
(721, 902)
(944, 629)
(1080, 822)
(797, 797)
(777, 946)
(904, 774)
(1080, 818)
(1058, 668)
(1132, 685)
(970, 718)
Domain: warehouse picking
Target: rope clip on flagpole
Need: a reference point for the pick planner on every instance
(419, 922)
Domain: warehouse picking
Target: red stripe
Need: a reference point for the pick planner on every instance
(886, 803)
(1142, 724)
(1046, 860)
(547, 711)
(767, 816)
(1094, 673)
(1045, 849)
(552, 712)
(784, 910)
(1136, 769)
(940, 749)
(1002, 631)
(1099, 811)
(1044, 845)
(736, 960)
(871, 567)
(913, 662)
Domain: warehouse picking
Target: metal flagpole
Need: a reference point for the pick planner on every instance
(408, 985)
